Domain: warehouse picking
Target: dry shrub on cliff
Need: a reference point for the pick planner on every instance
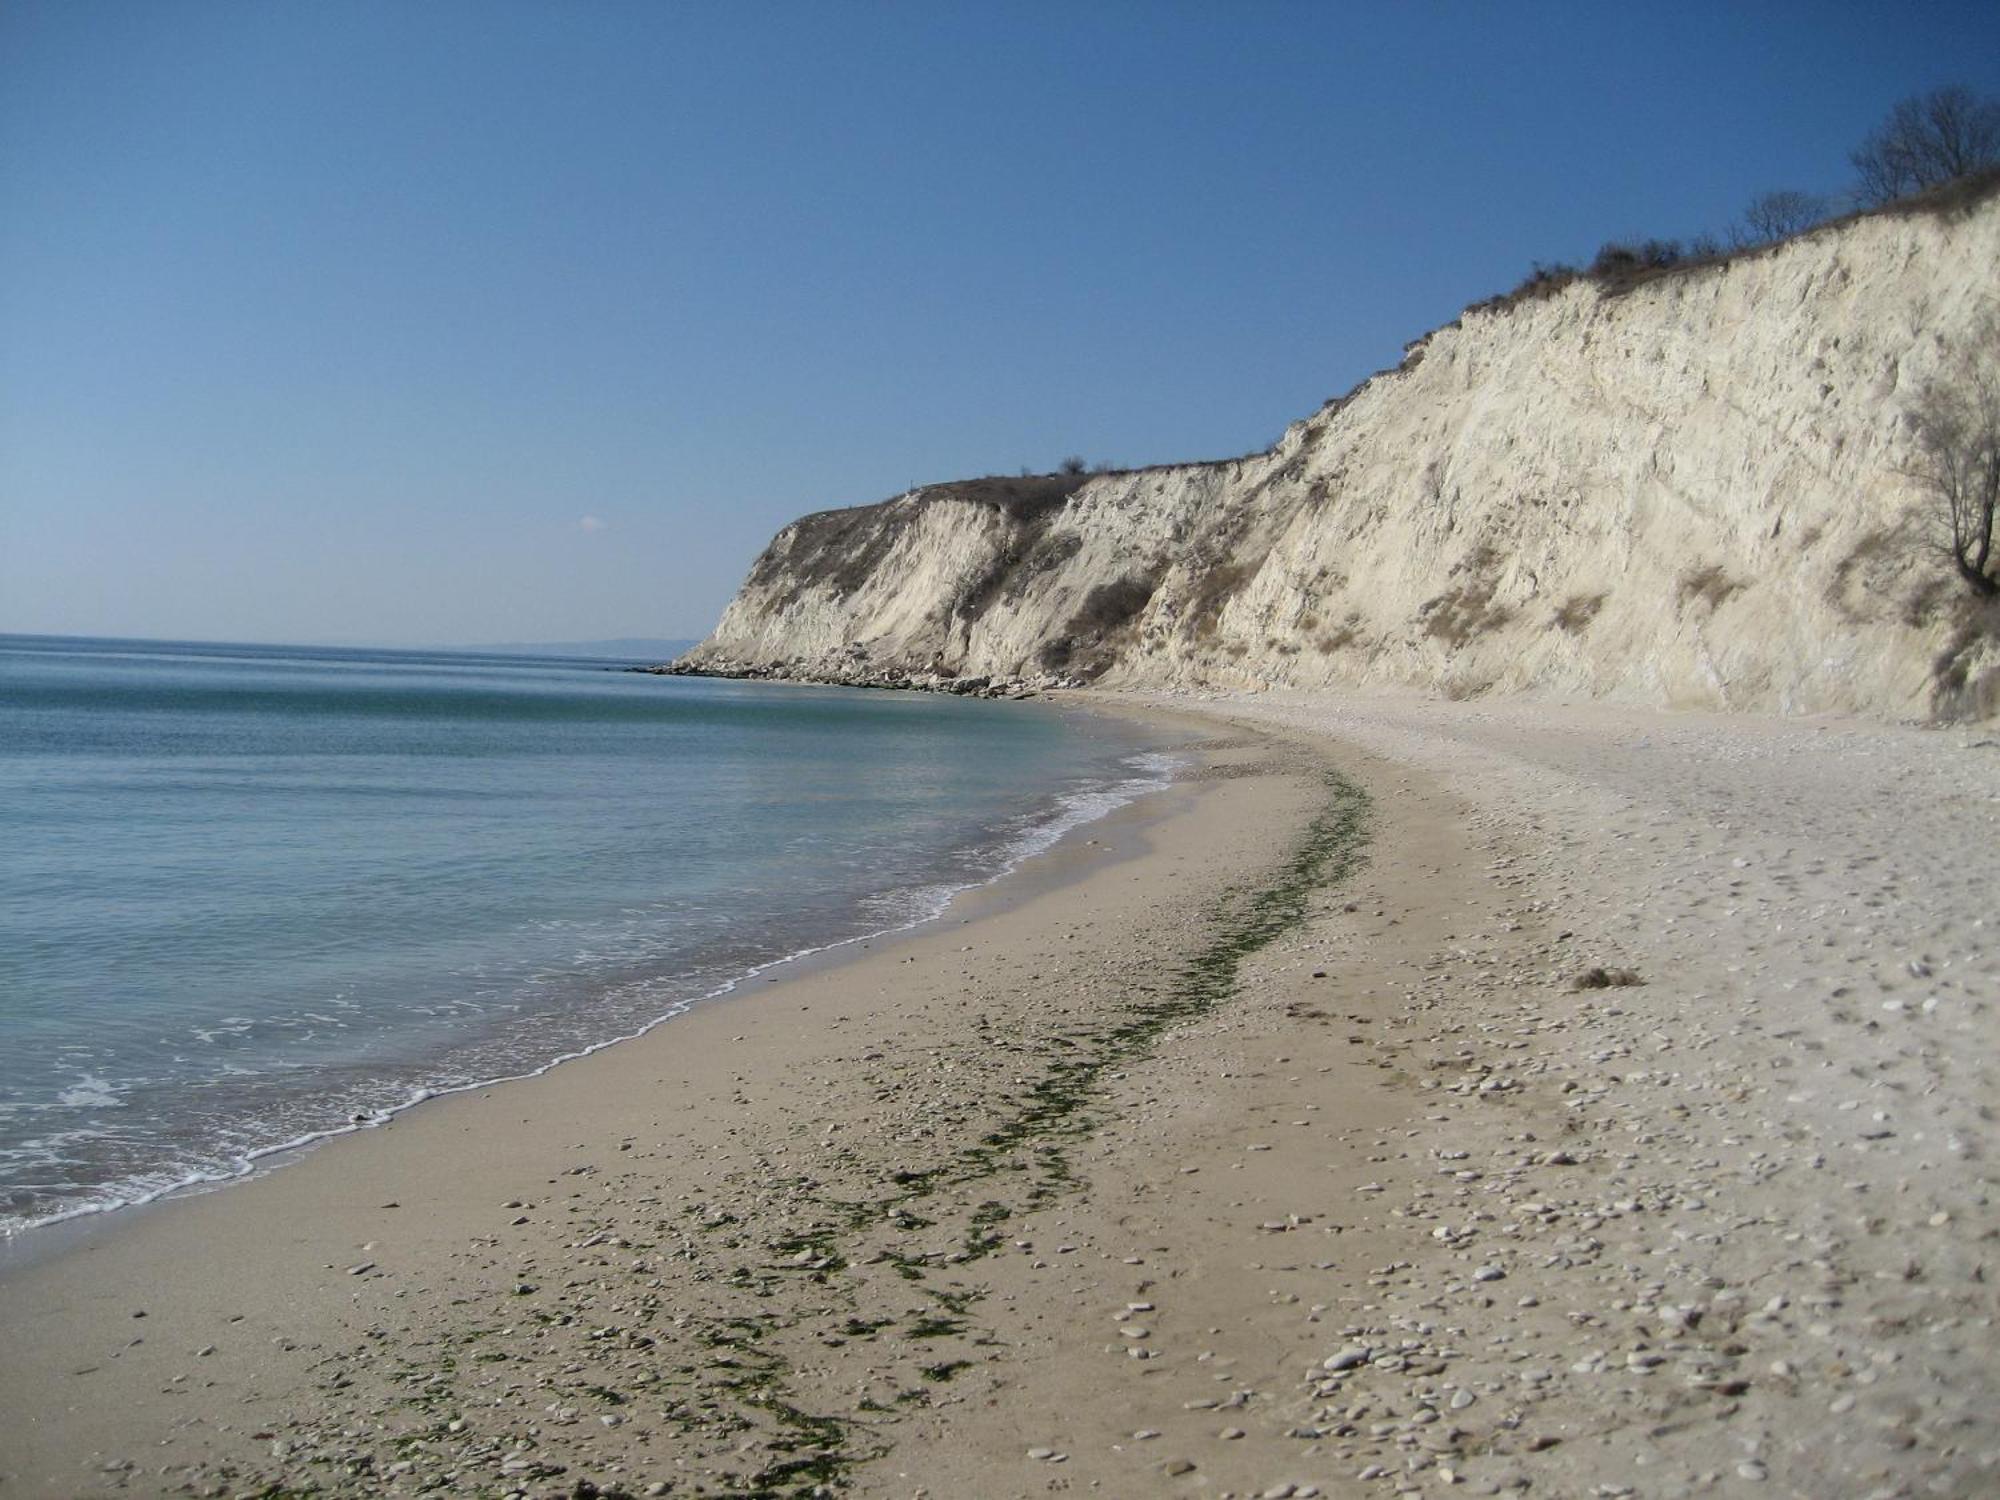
(1924, 603)
(1619, 267)
(1869, 570)
(1009, 573)
(840, 549)
(1033, 498)
(1110, 606)
(1218, 586)
(1948, 200)
(1088, 643)
(1541, 281)
(1466, 611)
(1463, 614)
(1938, 154)
(1578, 611)
(1709, 584)
(1957, 692)
(835, 549)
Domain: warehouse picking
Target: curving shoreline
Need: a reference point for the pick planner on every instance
(1408, 1211)
(22, 1242)
(277, 1252)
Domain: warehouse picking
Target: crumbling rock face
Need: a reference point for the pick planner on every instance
(1688, 493)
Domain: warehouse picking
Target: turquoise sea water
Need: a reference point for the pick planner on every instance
(250, 895)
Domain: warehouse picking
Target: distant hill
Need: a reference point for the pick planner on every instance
(623, 648)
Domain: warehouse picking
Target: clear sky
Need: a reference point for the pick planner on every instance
(459, 322)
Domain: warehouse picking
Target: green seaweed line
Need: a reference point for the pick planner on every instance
(1329, 853)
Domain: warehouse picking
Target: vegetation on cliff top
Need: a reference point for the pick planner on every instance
(1936, 153)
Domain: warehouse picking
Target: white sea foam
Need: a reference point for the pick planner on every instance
(89, 1092)
(1150, 771)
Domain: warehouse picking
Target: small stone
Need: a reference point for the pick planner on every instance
(1346, 1359)
(1177, 1467)
(1462, 1398)
(1231, 1434)
(1752, 1470)
(1041, 1455)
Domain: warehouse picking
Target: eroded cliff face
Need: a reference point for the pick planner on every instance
(1691, 494)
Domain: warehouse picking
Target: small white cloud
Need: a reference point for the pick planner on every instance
(592, 524)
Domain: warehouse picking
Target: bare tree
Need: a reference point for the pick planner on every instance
(1928, 139)
(1957, 464)
(1780, 215)
(1074, 464)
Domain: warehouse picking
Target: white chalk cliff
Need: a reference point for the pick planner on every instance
(1690, 492)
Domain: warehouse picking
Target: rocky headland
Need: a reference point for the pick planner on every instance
(1686, 489)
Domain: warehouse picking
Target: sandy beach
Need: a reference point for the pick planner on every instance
(1419, 1097)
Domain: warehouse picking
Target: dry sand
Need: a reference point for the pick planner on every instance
(1199, 1160)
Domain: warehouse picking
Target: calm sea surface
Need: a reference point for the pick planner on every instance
(249, 894)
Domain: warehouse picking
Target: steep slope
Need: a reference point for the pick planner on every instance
(1688, 492)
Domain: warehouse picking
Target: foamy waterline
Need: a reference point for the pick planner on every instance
(1072, 810)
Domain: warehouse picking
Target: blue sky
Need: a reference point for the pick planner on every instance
(459, 322)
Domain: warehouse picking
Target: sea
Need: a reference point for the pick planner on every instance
(254, 896)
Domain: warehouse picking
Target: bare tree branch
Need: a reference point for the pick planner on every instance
(1957, 464)
(1928, 139)
(1780, 215)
